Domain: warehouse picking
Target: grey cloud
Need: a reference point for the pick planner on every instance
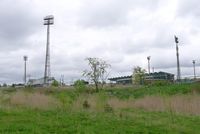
(121, 32)
(18, 22)
(188, 8)
(11, 70)
(188, 11)
(111, 12)
(100, 14)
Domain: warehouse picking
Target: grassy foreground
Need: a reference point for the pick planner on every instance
(148, 110)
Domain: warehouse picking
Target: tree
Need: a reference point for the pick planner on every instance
(55, 83)
(138, 75)
(97, 72)
(80, 85)
(5, 85)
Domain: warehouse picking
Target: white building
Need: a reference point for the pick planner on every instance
(39, 82)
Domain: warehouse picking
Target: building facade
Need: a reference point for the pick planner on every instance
(157, 76)
(39, 82)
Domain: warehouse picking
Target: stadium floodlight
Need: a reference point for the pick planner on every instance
(177, 56)
(194, 67)
(148, 58)
(176, 39)
(48, 20)
(25, 59)
(49, 17)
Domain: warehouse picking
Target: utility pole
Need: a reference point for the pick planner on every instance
(178, 64)
(194, 67)
(25, 59)
(148, 58)
(48, 20)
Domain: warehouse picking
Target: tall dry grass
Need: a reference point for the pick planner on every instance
(152, 103)
(78, 103)
(96, 101)
(188, 104)
(34, 100)
(185, 104)
(116, 103)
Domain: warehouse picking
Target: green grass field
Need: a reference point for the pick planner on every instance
(171, 109)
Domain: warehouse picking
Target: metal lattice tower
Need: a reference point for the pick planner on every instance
(48, 20)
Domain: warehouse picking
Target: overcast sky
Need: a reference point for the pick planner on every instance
(122, 32)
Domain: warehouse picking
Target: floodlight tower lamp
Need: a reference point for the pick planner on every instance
(148, 58)
(48, 20)
(194, 67)
(25, 59)
(177, 56)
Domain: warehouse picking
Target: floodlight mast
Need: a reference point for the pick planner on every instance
(177, 56)
(148, 58)
(25, 59)
(194, 67)
(48, 20)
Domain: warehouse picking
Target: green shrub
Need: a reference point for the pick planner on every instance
(160, 83)
(86, 105)
(162, 89)
(55, 83)
(80, 85)
(156, 82)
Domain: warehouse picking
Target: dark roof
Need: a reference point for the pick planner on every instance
(122, 77)
(159, 73)
(151, 74)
